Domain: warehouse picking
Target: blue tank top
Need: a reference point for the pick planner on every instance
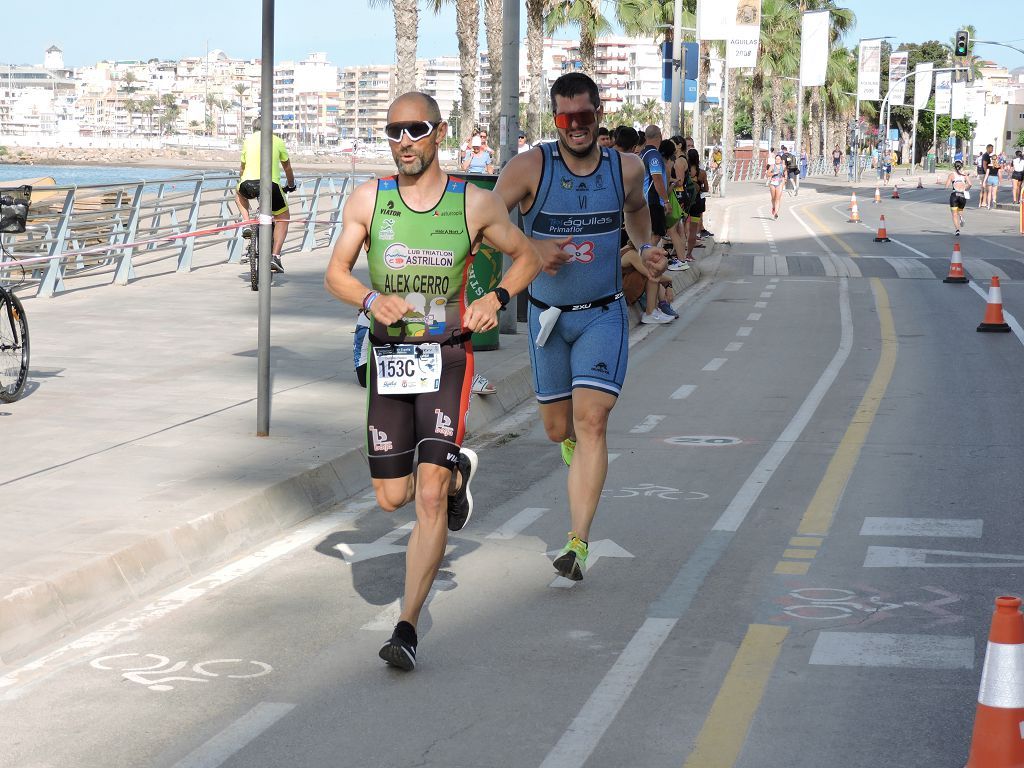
(590, 209)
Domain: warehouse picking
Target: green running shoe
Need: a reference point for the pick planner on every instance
(568, 449)
(572, 560)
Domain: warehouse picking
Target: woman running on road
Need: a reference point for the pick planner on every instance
(776, 180)
(958, 198)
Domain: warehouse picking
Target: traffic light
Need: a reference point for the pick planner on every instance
(963, 39)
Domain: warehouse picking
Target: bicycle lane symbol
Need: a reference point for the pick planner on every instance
(653, 491)
(866, 606)
(158, 676)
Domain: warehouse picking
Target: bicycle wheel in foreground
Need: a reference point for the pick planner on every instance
(13, 347)
(254, 262)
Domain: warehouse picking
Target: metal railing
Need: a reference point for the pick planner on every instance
(106, 231)
(749, 169)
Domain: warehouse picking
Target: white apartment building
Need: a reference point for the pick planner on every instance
(301, 93)
(366, 93)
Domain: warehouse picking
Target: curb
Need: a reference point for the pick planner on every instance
(35, 613)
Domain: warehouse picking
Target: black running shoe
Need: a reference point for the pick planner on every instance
(400, 650)
(276, 265)
(460, 503)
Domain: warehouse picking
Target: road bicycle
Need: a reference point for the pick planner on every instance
(14, 344)
(250, 190)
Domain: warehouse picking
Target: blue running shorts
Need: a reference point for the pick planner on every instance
(588, 349)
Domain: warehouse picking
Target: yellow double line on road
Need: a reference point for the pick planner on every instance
(725, 730)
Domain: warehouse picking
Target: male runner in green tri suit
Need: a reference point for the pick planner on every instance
(420, 230)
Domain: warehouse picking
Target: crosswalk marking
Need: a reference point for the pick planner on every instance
(983, 270)
(878, 649)
(921, 526)
(903, 267)
(908, 267)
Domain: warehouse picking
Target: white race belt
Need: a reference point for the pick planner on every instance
(408, 369)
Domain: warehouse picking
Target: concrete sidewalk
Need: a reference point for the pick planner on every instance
(131, 461)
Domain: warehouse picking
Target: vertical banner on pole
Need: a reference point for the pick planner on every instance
(943, 92)
(958, 101)
(976, 103)
(715, 18)
(745, 36)
(814, 41)
(869, 70)
(666, 71)
(898, 69)
(922, 84)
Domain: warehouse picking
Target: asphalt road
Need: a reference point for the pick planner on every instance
(810, 509)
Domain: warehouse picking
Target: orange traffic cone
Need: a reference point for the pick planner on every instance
(854, 213)
(896, 192)
(882, 237)
(956, 267)
(997, 742)
(994, 323)
(878, 195)
(853, 201)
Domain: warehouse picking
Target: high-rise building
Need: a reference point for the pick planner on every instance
(366, 93)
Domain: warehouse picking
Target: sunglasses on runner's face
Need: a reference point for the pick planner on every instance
(582, 119)
(414, 129)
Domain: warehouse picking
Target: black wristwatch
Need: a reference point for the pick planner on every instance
(503, 297)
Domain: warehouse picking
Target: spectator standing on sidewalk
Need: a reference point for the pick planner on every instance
(1017, 176)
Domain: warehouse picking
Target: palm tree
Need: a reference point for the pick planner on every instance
(240, 89)
(148, 106)
(492, 26)
(586, 16)
(131, 106)
(172, 111)
(467, 31)
(778, 57)
(536, 10)
(838, 99)
(407, 24)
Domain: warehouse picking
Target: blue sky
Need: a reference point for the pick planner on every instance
(353, 32)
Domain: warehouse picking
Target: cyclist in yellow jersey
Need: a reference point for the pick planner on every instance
(249, 180)
(420, 230)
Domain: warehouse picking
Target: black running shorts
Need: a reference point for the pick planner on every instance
(403, 431)
(658, 225)
(957, 200)
(250, 190)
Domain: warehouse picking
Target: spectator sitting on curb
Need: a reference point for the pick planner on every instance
(637, 283)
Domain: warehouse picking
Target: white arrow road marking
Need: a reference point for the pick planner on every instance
(903, 557)
(385, 545)
(597, 550)
(517, 523)
(921, 526)
(388, 617)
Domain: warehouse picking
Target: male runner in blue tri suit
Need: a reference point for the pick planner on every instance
(574, 195)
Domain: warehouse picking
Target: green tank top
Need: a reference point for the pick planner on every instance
(423, 256)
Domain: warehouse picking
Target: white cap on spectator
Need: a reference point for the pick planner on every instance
(476, 142)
